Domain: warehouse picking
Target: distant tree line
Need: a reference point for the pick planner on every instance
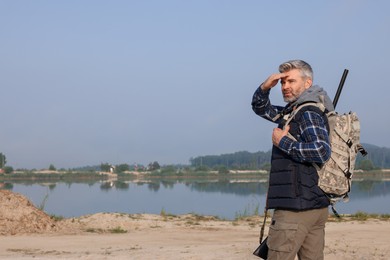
(377, 158)
(120, 168)
(239, 160)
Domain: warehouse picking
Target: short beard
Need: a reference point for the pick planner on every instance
(290, 99)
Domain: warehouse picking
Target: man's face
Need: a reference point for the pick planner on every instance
(293, 85)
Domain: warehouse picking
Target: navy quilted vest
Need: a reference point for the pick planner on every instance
(293, 185)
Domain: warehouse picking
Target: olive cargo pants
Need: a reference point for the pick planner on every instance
(299, 233)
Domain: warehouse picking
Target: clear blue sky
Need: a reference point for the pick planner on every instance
(86, 82)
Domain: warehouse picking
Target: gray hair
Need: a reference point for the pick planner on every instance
(304, 67)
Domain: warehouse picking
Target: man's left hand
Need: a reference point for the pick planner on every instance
(278, 134)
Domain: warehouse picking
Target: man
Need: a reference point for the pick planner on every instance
(300, 206)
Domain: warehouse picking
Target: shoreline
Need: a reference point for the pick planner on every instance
(146, 236)
(45, 175)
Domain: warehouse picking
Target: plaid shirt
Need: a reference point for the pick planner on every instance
(312, 145)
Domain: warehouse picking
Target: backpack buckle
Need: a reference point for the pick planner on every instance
(362, 150)
(349, 143)
(347, 173)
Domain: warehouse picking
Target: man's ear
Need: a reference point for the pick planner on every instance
(308, 83)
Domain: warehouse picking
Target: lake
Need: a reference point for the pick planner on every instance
(225, 199)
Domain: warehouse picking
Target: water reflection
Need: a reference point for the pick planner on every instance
(6, 186)
(243, 187)
(120, 185)
(365, 188)
(370, 188)
(223, 198)
(238, 187)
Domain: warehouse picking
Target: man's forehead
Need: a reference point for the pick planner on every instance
(292, 74)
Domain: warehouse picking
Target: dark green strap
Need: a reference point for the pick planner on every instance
(335, 212)
(263, 226)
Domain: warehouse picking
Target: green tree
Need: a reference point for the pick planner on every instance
(105, 167)
(154, 166)
(168, 169)
(122, 168)
(52, 168)
(239, 160)
(266, 166)
(366, 165)
(3, 160)
(223, 170)
(8, 169)
(202, 168)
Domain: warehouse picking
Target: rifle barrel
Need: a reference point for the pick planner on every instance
(340, 88)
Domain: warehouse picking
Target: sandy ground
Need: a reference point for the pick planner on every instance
(28, 233)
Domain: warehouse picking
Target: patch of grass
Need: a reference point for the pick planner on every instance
(94, 230)
(204, 218)
(252, 224)
(134, 216)
(358, 216)
(43, 202)
(56, 218)
(166, 215)
(192, 223)
(235, 223)
(118, 230)
(248, 212)
(240, 215)
(362, 216)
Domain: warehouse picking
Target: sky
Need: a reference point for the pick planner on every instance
(91, 82)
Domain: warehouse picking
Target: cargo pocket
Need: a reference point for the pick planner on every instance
(281, 236)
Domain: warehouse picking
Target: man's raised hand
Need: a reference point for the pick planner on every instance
(272, 80)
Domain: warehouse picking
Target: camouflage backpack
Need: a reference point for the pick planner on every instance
(335, 176)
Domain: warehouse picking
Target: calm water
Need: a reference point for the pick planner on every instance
(225, 199)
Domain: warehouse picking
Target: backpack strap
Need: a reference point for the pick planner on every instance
(288, 117)
(345, 138)
(283, 113)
